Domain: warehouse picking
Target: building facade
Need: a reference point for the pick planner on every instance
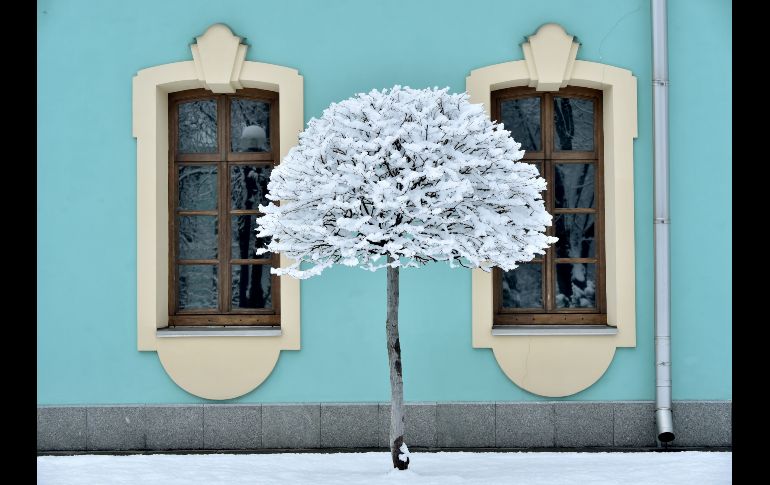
(160, 329)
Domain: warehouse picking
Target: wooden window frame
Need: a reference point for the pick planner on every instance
(223, 159)
(546, 158)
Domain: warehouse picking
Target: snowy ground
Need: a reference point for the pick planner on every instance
(373, 468)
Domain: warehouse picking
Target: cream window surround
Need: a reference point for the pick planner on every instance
(213, 366)
(555, 364)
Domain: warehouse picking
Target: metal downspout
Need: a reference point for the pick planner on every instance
(663, 416)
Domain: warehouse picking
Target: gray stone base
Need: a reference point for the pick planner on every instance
(445, 425)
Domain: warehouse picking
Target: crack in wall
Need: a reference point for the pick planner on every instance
(526, 359)
(615, 25)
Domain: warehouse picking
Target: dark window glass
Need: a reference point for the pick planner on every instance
(198, 287)
(198, 237)
(244, 240)
(573, 124)
(576, 235)
(522, 287)
(251, 286)
(575, 285)
(197, 187)
(197, 131)
(249, 125)
(521, 117)
(248, 185)
(574, 186)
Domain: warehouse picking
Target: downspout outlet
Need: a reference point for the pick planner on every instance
(665, 425)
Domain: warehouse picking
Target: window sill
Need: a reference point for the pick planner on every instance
(554, 330)
(219, 331)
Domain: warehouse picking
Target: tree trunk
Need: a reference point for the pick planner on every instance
(396, 437)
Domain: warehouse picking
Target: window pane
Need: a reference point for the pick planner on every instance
(198, 187)
(197, 126)
(523, 287)
(575, 285)
(249, 125)
(251, 286)
(574, 185)
(576, 236)
(248, 185)
(522, 118)
(573, 124)
(244, 240)
(197, 237)
(197, 287)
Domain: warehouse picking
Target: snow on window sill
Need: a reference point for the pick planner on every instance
(554, 330)
(219, 331)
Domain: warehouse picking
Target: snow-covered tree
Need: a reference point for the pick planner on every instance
(400, 178)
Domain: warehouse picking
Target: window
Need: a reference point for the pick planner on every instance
(562, 134)
(222, 148)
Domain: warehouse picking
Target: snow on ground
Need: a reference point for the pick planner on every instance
(374, 468)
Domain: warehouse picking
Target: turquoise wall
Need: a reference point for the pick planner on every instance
(88, 52)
